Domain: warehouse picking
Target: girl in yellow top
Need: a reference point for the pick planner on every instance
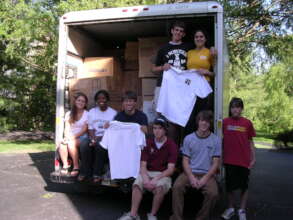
(201, 58)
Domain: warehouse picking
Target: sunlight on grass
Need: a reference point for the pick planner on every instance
(260, 146)
(26, 146)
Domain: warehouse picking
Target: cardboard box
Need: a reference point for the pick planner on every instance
(131, 51)
(149, 110)
(97, 67)
(147, 52)
(148, 86)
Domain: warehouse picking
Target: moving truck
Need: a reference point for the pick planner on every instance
(113, 49)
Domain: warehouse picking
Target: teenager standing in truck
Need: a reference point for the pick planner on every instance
(202, 60)
(174, 53)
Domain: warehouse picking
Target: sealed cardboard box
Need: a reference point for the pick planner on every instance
(147, 51)
(148, 86)
(97, 67)
(131, 51)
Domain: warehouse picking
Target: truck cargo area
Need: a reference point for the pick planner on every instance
(132, 45)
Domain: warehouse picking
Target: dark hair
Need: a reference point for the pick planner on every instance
(103, 92)
(204, 33)
(179, 24)
(129, 95)
(235, 102)
(162, 121)
(73, 112)
(205, 115)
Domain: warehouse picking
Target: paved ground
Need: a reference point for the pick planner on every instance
(27, 194)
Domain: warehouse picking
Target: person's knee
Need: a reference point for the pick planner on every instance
(213, 194)
(159, 190)
(137, 189)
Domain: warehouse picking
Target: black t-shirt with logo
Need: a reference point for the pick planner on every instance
(175, 55)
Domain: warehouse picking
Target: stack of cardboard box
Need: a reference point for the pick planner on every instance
(148, 49)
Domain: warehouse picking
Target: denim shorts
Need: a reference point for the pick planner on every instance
(83, 137)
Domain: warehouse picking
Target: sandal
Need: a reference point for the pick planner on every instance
(74, 172)
(64, 171)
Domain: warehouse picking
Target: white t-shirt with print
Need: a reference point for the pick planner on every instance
(77, 126)
(179, 92)
(124, 142)
(98, 118)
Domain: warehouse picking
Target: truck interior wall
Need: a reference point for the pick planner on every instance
(82, 44)
(121, 41)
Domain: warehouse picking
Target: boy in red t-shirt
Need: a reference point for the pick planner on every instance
(158, 161)
(238, 156)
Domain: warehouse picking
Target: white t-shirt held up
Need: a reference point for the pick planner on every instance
(124, 142)
(179, 92)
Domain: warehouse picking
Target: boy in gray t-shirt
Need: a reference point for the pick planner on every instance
(201, 160)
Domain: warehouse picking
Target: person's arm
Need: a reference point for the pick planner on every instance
(144, 129)
(143, 172)
(146, 180)
(67, 134)
(161, 68)
(212, 171)
(213, 54)
(82, 131)
(252, 157)
(205, 72)
(187, 170)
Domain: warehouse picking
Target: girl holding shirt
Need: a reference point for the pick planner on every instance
(75, 134)
(202, 60)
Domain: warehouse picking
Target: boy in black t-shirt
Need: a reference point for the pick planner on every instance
(174, 53)
(130, 113)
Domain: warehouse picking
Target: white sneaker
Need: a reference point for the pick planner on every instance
(228, 213)
(242, 214)
(151, 217)
(127, 216)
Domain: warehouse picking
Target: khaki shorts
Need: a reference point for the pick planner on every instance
(164, 182)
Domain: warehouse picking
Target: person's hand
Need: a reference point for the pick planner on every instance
(213, 52)
(93, 141)
(252, 163)
(154, 182)
(202, 182)
(106, 125)
(147, 185)
(193, 181)
(166, 67)
(64, 141)
(204, 72)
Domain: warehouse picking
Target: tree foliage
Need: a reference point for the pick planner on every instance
(28, 56)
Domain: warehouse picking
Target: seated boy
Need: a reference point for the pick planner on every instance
(157, 165)
(201, 159)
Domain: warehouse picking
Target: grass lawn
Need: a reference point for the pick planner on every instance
(26, 146)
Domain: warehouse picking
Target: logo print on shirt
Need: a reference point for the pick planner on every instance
(187, 81)
(177, 58)
(236, 128)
